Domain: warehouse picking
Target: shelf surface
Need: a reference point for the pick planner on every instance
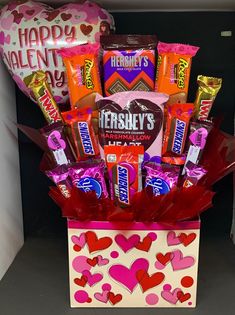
(37, 281)
(154, 5)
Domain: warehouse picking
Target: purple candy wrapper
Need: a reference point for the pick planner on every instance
(162, 178)
(59, 176)
(89, 176)
(193, 174)
(128, 62)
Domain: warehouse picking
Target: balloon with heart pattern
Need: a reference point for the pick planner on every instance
(31, 32)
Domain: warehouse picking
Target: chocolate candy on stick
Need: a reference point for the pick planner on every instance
(37, 82)
(82, 132)
(124, 167)
(161, 177)
(89, 176)
(58, 144)
(128, 62)
(208, 87)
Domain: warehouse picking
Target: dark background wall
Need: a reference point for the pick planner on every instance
(216, 57)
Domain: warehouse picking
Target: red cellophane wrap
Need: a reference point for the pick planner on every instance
(81, 205)
(34, 135)
(219, 156)
(178, 205)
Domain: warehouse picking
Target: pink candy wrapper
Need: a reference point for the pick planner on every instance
(161, 178)
(88, 176)
(193, 174)
(59, 176)
(181, 49)
(132, 118)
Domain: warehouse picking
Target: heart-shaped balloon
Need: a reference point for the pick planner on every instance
(31, 32)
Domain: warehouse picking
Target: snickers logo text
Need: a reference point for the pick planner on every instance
(85, 138)
(178, 136)
(123, 184)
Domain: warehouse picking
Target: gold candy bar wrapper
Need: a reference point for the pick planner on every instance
(37, 82)
(208, 87)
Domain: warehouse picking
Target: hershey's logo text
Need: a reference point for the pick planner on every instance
(129, 61)
(126, 121)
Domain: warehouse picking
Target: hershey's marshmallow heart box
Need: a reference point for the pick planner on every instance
(132, 118)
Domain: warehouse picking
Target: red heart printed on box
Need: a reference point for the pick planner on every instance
(96, 244)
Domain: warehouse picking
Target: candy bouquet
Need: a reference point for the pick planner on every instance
(141, 141)
(133, 164)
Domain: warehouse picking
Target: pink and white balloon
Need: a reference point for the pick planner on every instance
(31, 32)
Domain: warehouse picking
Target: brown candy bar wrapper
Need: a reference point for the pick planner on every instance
(128, 63)
(197, 140)
(60, 176)
(82, 133)
(208, 87)
(37, 82)
(177, 123)
(58, 144)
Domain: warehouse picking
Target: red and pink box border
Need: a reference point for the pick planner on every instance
(133, 264)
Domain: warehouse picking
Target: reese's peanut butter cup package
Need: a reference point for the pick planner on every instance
(173, 70)
(83, 74)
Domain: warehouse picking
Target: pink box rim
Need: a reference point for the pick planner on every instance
(138, 226)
